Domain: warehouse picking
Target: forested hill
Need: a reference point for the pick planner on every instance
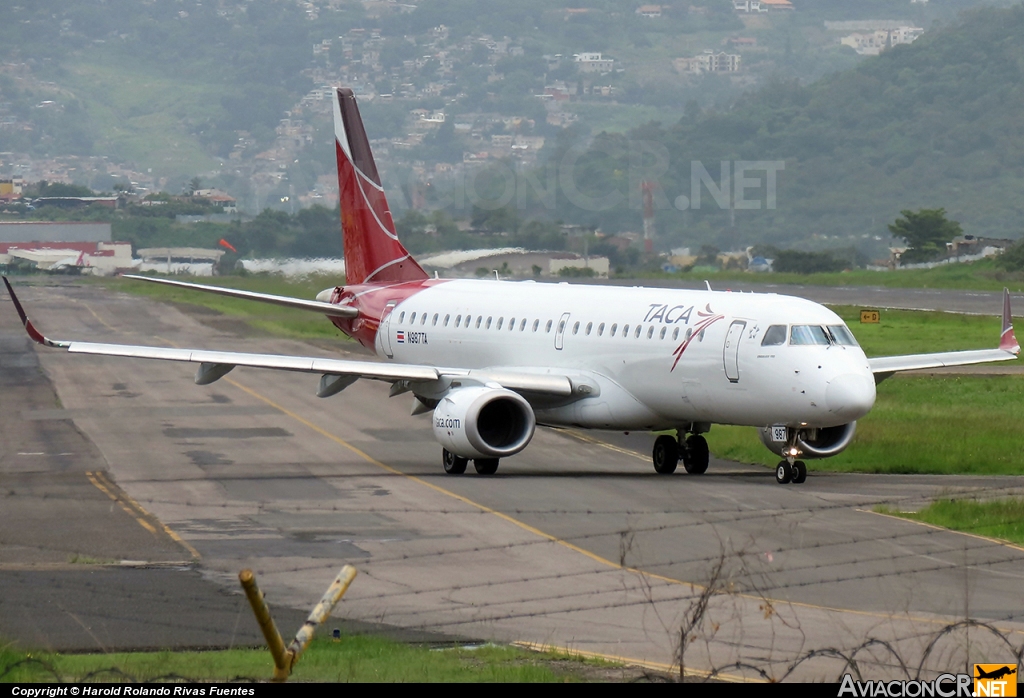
(938, 123)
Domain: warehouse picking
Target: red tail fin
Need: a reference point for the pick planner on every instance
(372, 250)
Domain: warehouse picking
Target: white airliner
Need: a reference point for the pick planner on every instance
(492, 359)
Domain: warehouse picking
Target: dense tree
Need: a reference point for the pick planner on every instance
(926, 233)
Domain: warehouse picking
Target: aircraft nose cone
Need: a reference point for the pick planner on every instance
(850, 395)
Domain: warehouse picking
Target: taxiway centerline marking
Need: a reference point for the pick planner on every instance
(137, 511)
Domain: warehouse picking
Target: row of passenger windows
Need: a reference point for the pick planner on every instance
(809, 334)
(479, 322)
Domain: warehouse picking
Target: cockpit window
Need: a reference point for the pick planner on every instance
(843, 336)
(809, 334)
(775, 336)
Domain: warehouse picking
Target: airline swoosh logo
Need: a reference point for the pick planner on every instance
(707, 322)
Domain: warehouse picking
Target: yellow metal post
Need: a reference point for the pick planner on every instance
(285, 659)
(282, 658)
(321, 611)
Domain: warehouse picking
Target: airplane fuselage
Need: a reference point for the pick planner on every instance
(658, 357)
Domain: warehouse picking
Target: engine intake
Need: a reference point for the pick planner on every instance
(482, 422)
(813, 443)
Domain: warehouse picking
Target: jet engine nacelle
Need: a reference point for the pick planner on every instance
(482, 422)
(813, 443)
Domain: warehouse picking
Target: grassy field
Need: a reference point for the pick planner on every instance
(1003, 519)
(352, 659)
(920, 424)
(977, 276)
(276, 320)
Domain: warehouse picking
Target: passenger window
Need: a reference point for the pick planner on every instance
(809, 334)
(547, 328)
(637, 331)
(423, 320)
(479, 319)
(446, 319)
(512, 324)
(561, 326)
(488, 323)
(468, 319)
(675, 334)
(625, 330)
(522, 325)
(576, 328)
(650, 332)
(401, 318)
(500, 320)
(536, 324)
(590, 326)
(775, 336)
(611, 332)
(662, 334)
(412, 320)
(600, 330)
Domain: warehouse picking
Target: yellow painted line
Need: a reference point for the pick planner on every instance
(654, 666)
(128, 510)
(987, 539)
(597, 442)
(136, 511)
(166, 529)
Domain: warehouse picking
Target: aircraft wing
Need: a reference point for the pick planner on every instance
(215, 364)
(329, 309)
(1008, 349)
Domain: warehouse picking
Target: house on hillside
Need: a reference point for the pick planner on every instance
(649, 11)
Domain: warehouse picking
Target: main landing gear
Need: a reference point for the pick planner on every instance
(456, 465)
(668, 451)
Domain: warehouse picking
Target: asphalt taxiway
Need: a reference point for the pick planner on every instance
(574, 543)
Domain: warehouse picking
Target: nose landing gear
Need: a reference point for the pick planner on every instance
(791, 469)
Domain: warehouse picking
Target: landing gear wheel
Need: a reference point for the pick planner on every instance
(666, 455)
(486, 466)
(799, 472)
(697, 455)
(453, 464)
(783, 472)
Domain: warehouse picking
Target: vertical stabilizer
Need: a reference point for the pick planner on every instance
(373, 253)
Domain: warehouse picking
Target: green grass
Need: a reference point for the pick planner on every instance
(1003, 519)
(977, 276)
(915, 331)
(359, 659)
(920, 424)
(280, 321)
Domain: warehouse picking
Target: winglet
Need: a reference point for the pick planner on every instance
(1007, 340)
(35, 334)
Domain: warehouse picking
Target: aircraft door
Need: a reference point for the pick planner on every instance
(560, 330)
(384, 331)
(731, 352)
